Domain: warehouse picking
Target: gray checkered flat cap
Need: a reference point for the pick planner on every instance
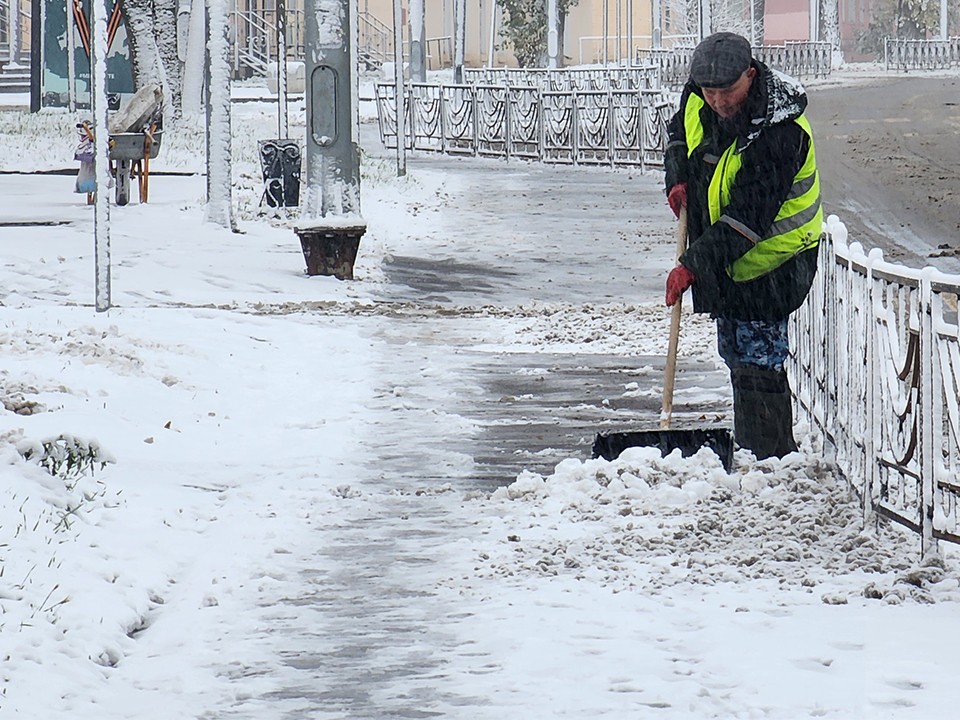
(719, 60)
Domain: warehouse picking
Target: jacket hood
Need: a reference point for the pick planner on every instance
(786, 98)
(777, 98)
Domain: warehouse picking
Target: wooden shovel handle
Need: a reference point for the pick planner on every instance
(670, 368)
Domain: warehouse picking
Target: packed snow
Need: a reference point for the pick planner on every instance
(244, 493)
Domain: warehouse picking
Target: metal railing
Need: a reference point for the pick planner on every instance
(255, 39)
(582, 79)
(798, 59)
(876, 371)
(673, 63)
(623, 49)
(375, 40)
(254, 34)
(588, 127)
(15, 31)
(921, 54)
(439, 52)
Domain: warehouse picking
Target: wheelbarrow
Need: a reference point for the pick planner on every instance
(130, 154)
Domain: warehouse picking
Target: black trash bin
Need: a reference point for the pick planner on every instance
(280, 162)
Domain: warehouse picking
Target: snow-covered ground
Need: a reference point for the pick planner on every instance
(287, 525)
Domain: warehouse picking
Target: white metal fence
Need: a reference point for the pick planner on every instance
(800, 59)
(582, 127)
(598, 116)
(646, 77)
(921, 54)
(876, 370)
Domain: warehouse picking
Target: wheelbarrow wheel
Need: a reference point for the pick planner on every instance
(123, 181)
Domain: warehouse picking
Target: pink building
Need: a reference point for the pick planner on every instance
(790, 20)
(786, 20)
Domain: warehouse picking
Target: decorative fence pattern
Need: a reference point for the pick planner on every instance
(921, 54)
(595, 116)
(799, 59)
(600, 78)
(580, 127)
(673, 63)
(876, 370)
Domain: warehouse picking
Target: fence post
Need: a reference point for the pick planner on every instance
(871, 441)
(926, 426)
(443, 118)
(611, 126)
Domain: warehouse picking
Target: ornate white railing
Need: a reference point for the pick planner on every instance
(673, 63)
(799, 59)
(921, 54)
(601, 78)
(876, 371)
(588, 127)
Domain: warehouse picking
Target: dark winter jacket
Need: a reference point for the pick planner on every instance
(773, 149)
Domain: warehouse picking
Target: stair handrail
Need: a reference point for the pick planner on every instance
(249, 29)
(15, 30)
(375, 37)
(260, 27)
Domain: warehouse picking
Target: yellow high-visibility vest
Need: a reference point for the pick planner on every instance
(798, 223)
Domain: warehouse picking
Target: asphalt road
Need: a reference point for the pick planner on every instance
(888, 151)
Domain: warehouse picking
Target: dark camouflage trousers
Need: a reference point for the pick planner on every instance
(753, 343)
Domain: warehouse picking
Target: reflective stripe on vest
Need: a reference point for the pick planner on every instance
(798, 223)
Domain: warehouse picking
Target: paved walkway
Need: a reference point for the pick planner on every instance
(587, 239)
(401, 648)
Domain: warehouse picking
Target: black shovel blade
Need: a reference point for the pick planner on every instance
(609, 446)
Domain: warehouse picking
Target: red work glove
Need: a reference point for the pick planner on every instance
(677, 198)
(678, 281)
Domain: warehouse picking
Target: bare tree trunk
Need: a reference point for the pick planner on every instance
(142, 30)
(831, 23)
(144, 53)
(758, 31)
(165, 13)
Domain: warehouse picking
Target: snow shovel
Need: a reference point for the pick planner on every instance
(688, 441)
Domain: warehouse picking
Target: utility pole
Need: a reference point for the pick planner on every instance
(418, 50)
(459, 38)
(330, 227)
(553, 35)
(283, 125)
(399, 92)
(656, 13)
(814, 20)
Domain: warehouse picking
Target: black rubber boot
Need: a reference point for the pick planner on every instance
(762, 412)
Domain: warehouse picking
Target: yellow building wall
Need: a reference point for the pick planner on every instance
(583, 36)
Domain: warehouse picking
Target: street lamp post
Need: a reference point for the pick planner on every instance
(331, 226)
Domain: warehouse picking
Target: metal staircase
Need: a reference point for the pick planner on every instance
(375, 46)
(256, 40)
(14, 47)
